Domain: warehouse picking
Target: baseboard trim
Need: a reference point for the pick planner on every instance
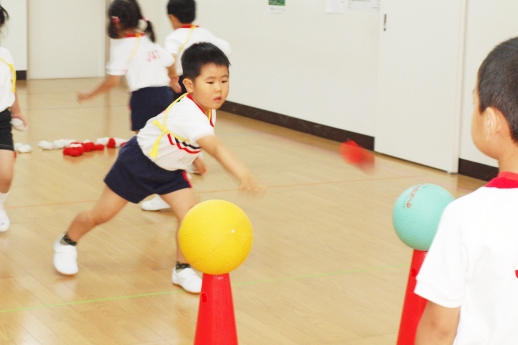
(477, 170)
(303, 126)
(21, 75)
(467, 168)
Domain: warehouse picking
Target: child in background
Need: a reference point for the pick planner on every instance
(9, 109)
(134, 54)
(182, 13)
(154, 161)
(470, 274)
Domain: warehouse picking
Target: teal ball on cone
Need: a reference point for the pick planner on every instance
(417, 213)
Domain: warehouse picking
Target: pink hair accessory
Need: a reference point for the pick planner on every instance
(145, 19)
(115, 19)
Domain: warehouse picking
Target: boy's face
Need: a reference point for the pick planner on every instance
(210, 88)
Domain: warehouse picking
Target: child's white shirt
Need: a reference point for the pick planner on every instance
(185, 123)
(7, 96)
(184, 37)
(143, 62)
(473, 264)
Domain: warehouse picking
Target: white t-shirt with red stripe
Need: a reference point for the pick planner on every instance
(140, 60)
(187, 35)
(6, 78)
(186, 122)
(473, 263)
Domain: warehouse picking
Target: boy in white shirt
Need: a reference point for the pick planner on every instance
(470, 274)
(182, 13)
(154, 161)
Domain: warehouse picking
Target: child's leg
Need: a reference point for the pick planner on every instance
(105, 209)
(6, 177)
(65, 253)
(181, 202)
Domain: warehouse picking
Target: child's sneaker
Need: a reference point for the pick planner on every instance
(4, 221)
(65, 258)
(188, 280)
(155, 204)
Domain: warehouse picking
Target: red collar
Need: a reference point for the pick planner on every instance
(504, 180)
(188, 26)
(136, 34)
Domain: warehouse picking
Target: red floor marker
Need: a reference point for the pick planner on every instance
(216, 321)
(414, 305)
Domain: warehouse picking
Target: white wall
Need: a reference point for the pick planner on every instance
(489, 22)
(303, 63)
(14, 34)
(66, 38)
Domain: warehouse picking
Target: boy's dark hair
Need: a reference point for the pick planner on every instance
(4, 16)
(199, 55)
(497, 83)
(184, 10)
(127, 13)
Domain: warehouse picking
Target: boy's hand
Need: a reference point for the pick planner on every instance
(82, 96)
(200, 166)
(249, 185)
(19, 116)
(175, 85)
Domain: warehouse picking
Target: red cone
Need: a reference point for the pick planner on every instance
(216, 322)
(414, 305)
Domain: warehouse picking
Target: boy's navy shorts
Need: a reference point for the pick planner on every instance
(6, 137)
(134, 176)
(147, 103)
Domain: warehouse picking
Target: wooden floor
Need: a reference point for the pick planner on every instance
(326, 266)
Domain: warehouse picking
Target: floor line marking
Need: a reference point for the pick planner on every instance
(175, 291)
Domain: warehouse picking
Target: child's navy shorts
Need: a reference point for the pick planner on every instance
(147, 103)
(134, 176)
(6, 137)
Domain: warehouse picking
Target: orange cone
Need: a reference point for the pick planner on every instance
(414, 305)
(216, 322)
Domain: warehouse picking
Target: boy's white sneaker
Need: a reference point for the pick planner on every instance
(155, 204)
(188, 280)
(4, 221)
(65, 258)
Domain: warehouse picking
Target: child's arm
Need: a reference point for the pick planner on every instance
(109, 83)
(438, 325)
(175, 85)
(16, 110)
(247, 182)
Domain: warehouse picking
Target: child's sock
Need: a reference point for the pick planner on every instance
(67, 241)
(180, 266)
(4, 220)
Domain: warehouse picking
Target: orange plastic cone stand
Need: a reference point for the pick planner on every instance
(216, 322)
(414, 305)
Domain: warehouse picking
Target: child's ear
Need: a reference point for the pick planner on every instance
(189, 85)
(495, 122)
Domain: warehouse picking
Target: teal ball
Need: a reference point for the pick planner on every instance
(417, 213)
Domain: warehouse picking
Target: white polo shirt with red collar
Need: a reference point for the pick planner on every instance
(174, 133)
(473, 263)
(140, 60)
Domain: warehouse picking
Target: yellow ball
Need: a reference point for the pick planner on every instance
(215, 237)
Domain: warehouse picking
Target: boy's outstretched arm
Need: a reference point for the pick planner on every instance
(214, 147)
(438, 325)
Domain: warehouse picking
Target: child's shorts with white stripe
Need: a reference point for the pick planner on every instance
(134, 176)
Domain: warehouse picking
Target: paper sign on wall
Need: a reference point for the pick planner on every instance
(335, 6)
(276, 6)
(364, 5)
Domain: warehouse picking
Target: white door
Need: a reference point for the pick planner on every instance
(419, 81)
(66, 38)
